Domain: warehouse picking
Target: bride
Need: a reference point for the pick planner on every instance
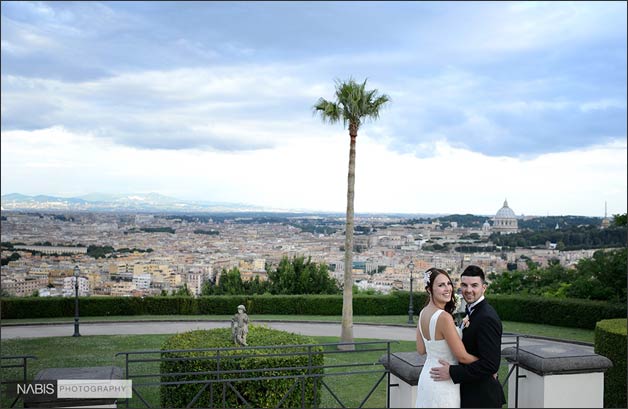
(439, 338)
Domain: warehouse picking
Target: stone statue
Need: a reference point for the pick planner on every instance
(240, 326)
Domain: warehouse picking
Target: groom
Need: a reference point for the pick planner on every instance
(481, 337)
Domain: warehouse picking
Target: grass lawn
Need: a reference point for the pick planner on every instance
(570, 334)
(100, 351)
(58, 352)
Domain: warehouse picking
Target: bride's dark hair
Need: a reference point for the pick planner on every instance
(450, 306)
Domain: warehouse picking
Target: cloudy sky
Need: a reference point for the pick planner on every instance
(524, 101)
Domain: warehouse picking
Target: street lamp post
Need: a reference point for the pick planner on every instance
(77, 272)
(410, 309)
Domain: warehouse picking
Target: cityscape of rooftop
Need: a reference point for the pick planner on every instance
(145, 254)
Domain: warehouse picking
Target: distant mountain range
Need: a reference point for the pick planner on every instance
(142, 202)
(152, 202)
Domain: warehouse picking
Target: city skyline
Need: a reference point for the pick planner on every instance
(524, 101)
(154, 203)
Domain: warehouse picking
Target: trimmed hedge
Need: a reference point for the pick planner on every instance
(258, 394)
(539, 310)
(38, 307)
(610, 341)
(562, 312)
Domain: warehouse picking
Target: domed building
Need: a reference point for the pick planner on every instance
(505, 221)
(486, 228)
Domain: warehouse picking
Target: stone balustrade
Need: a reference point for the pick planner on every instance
(549, 374)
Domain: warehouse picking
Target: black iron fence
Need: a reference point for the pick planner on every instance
(351, 377)
(219, 380)
(14, 370)
(512, 340)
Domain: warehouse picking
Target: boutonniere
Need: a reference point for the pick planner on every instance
(466, 322)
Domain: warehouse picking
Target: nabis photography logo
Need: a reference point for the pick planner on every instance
(94, 388)
(75, 389)
(37, 388)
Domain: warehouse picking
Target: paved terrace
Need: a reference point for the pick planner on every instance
(386, 332)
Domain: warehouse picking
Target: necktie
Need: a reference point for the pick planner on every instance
(467, 310)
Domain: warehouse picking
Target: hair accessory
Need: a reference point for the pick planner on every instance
(426, 277)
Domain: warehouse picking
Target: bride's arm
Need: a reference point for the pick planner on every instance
(420, 345)
(450, 333)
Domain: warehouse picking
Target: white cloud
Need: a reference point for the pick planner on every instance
(310, 173)
(226, 109)
(141, 108)
(492, 28)
(23, 39)
(603, 104)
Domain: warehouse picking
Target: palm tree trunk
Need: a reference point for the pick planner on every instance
(346, 334)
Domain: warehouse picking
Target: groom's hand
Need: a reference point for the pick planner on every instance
(440, 373)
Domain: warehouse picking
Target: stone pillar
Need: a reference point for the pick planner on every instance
(556, 375)
(405, 368)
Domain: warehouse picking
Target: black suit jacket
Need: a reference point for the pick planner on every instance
(482, 338)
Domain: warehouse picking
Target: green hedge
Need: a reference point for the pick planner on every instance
(258, 394)
(610, 341)
(551, 311)
(562, 312)
(38, 307)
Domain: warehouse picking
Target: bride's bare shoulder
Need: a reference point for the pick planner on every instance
(446, 318)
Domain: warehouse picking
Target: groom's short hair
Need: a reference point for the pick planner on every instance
(474, 271)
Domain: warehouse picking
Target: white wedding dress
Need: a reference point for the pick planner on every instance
(432, 394)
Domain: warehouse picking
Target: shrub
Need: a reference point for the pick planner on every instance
(104, 306)
(610, 341)
(563, 312)
(36, 307)
(258, 394)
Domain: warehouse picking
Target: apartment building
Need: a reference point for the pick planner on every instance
(24, 286)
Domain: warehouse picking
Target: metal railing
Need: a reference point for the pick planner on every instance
(5, 384)
(220, 375)
(223, 372)
(513, 358)
(514, 361)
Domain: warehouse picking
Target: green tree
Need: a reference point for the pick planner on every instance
(619, 219)
(301, 276)
(99, 251)
(255, 286)
(183, 291)
(229, 283)
(207, 288)
(352, 106)
(551, 279)
(4, 293)
(601, 277)
(12, 257)
(508, 282)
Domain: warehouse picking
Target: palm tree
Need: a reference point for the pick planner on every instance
(353, 105)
